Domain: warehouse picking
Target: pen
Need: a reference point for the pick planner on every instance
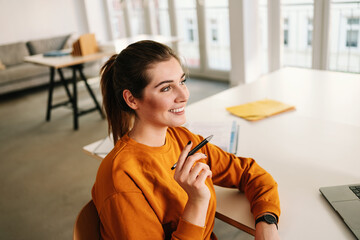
(195, 149)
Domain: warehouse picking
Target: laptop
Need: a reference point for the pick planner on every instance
(346, 202)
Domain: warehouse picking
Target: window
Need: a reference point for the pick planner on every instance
(136, 11)
(352, 33)
(190, 30)
(344, 53)
(186, 21)
(297, 27)
(181, 18)
(352, 38)
(116, 12)
(286, 32)
(127, 17)
(162, 17)
(217, 34)
(353, 21)
(214, 30)
(309, 32)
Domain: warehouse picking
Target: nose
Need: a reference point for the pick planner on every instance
(182, 94)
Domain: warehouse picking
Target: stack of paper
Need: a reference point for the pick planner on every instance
(260, 109)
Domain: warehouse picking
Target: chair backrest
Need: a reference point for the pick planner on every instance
(87, 225)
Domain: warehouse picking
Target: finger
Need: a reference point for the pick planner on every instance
(196, 170)
(182, 175)
(206, 173)
(190, 161)
(183, 156)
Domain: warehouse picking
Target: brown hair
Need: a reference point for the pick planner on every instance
(128, 70)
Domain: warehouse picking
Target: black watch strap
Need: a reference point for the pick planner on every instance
(268, 218)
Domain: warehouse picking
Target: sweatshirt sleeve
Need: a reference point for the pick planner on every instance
(246, 175)
(129, 216)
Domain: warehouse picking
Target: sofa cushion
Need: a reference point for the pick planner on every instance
(73, 37)
(46, 45)
(20, 72)
(14, 53)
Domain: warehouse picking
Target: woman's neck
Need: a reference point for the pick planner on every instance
(150, 136)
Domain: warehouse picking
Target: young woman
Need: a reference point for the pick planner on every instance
(136, 193)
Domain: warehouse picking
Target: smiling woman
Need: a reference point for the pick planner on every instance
(136, 193)
(162, 104)
(125, 77)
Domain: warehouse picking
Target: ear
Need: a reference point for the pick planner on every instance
(130, 99)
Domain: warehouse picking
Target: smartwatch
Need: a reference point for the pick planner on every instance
(268, 218)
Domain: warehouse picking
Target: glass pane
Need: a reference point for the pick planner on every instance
(162, 17)
(263, 35)
(344, 36)
(137, 18)
(297, 32)
(352, 38)
(117, 18)
(217, 34)
(187, 27)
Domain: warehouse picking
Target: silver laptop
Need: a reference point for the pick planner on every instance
(346, 202)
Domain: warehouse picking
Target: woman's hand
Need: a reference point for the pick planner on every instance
(191, 177)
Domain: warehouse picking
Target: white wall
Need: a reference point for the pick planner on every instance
(22, 20)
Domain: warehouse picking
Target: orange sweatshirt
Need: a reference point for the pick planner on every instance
(137, 197)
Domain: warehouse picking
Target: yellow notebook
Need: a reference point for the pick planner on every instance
(257, 110)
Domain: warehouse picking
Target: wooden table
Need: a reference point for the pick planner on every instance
(76, 64)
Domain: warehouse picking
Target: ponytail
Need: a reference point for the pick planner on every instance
(120, 119)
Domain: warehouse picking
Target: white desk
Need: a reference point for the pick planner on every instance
(316, 145)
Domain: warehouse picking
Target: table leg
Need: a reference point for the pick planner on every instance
(72, 97)
(91, 92)
(65, 84)
(74, 102)
(51, 89)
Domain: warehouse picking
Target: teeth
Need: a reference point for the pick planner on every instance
(177, 110)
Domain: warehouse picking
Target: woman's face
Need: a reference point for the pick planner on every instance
(165, 97)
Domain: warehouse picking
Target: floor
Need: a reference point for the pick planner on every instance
(45, 177)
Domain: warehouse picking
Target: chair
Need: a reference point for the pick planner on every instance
(87, 225)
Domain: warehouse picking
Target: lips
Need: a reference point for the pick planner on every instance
(177, 110)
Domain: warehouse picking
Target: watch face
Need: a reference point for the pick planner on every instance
(269, 218)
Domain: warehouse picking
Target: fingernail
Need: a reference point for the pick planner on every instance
(189, 143)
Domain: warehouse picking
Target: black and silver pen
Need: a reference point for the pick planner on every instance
(195, 149)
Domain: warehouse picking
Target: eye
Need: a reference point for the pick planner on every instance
(183, 82)
(165, 89)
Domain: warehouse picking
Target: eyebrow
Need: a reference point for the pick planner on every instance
(168, 81)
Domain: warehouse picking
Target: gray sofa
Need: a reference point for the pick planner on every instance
(15, 74)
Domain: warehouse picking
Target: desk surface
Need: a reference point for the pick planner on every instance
(316, 145)
(65, 61)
